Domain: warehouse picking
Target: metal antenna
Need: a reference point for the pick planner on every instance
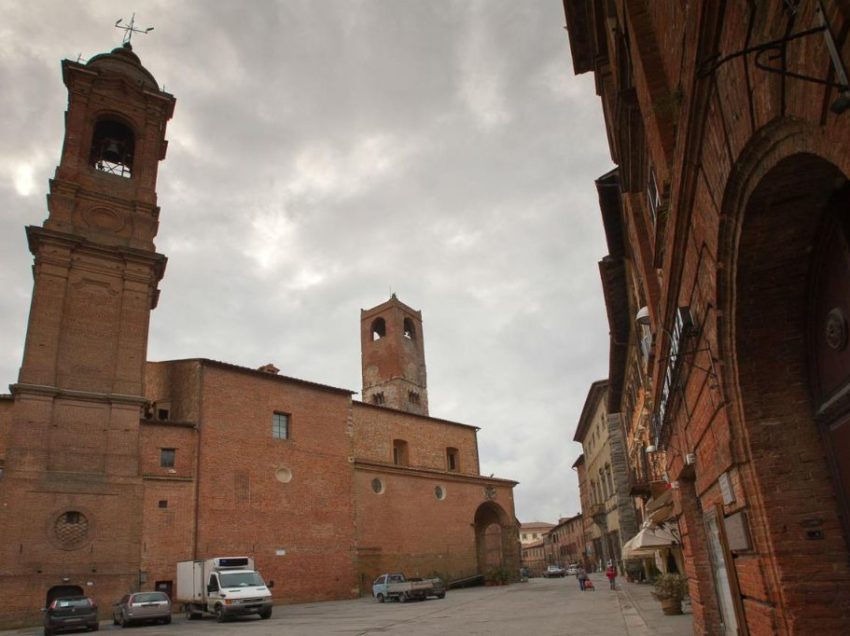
(130, 29)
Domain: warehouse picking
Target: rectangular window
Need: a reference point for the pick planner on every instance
(280, 425)
(653, 197)
(163, 503)
(167, 457)
(400, 452)
(452, 463)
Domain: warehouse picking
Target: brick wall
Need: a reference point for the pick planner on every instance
(750, 158)
(427, 438)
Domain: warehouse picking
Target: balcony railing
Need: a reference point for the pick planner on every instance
(597, 511)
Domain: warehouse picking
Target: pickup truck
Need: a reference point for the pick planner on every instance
(396, 586)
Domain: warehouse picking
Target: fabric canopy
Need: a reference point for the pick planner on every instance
(647, 541)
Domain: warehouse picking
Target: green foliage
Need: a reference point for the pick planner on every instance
(671, 586)
(498, 575)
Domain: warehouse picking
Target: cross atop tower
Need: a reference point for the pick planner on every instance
(130, 28)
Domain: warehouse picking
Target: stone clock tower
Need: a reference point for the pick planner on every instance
(393, 357)
(71, 493)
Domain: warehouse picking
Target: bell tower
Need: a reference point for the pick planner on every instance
(393, 357)
(72, 492)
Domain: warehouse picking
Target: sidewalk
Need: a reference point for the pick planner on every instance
(642, 613)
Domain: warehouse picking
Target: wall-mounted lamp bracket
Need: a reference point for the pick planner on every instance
(779, 49)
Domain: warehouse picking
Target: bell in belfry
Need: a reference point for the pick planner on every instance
(113, 152)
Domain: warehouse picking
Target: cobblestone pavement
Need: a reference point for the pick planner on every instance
(541, 607)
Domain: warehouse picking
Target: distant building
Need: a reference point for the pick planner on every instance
(565, 542)
(534, 557)
(533, 531)
(606, 480)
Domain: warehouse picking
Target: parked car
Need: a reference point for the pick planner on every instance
(572, 570)
(70, 613)
(142, 607)
(554, 571)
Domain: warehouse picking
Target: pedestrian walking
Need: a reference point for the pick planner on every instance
(611, 573)
(582, 578)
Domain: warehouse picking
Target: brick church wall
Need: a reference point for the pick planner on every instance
(427, 438)
(305, 525)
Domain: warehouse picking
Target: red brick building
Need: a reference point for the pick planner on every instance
(728, 125)
(114, 468)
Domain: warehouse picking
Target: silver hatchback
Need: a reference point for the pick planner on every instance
(142, 607)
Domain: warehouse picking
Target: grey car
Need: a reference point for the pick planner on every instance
(71, 613)
(142, 607)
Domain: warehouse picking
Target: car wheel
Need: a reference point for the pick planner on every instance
(95, 627)
(441, 595)
(124, 621)
(114, 619)
(48, 631)
(266, 614)
(380, 598)
(166, 620)
(219, 613)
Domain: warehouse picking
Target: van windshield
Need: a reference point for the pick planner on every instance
(240, 579)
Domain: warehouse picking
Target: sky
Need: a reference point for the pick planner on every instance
(326, 153)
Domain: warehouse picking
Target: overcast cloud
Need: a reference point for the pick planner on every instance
(325, 153)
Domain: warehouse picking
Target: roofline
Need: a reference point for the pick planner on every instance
(594, 394)
(417, 415)
(260, 374)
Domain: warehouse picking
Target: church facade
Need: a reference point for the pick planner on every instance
(115, 468)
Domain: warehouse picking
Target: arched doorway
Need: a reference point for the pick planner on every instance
(790, 291)
(496, 540)
(62, 591)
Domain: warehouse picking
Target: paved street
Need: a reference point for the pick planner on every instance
(541, 607)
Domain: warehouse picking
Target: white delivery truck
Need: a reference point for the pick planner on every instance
(223, 587)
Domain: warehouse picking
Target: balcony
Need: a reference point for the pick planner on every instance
(598, 513)
(639, 480)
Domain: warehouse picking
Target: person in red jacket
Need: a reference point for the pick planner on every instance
(611, 573)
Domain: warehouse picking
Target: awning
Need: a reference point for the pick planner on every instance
(660, 507)
(647, 541)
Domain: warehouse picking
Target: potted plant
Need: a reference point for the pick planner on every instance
(670, 589)
(497, 576)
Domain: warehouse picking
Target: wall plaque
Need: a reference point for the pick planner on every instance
(738, 532)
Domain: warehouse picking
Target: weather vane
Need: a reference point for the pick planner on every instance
(130, 29)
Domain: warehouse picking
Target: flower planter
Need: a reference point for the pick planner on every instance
(671, 606)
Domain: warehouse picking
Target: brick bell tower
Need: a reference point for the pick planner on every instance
(393, 357)
(71, 497)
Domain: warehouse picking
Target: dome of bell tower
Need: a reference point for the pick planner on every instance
(122, 61)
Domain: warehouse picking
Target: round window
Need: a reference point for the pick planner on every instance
(440, 493)
(283, 475)
(377, 486)
(71, 529)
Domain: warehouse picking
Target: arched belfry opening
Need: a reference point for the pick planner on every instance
(379, 329)
(791, 303)
(409, 331)
(112, 148)
(495, 539)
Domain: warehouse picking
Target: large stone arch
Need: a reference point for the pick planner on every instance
(496, 539)
(779, 209)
